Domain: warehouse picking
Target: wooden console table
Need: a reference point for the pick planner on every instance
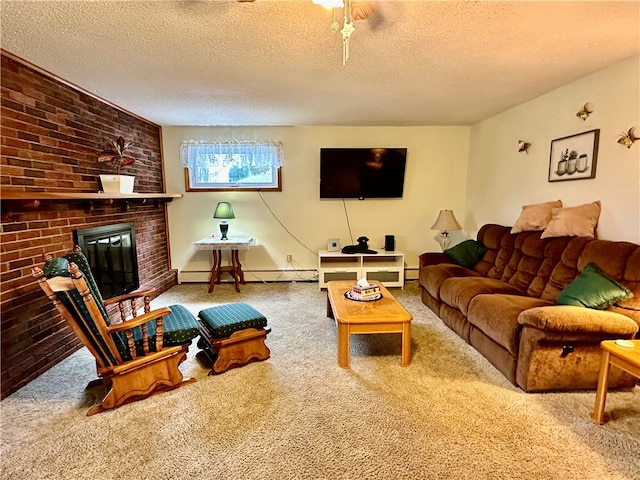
(385, 267)
(217, 246)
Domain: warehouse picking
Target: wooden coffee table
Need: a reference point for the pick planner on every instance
(352, 317)
(626, 358)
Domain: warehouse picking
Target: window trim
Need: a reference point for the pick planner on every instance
(189, 188)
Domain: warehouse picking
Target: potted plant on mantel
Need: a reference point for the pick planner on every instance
(116, 155)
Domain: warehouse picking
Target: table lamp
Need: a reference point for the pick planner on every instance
(446, 221)
(224, 211)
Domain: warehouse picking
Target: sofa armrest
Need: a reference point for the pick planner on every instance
(433, 258)
(570, 319)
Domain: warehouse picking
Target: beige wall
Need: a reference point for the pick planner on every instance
(501, 180)
(476, 171)
(435, 179)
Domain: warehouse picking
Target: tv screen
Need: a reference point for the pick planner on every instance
(362, 172)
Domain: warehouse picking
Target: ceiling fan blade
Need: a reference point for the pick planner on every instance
(362, 9)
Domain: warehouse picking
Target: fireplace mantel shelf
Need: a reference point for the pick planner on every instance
(8, 195)
(36, 199)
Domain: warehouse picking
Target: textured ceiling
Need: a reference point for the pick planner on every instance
(223, 62)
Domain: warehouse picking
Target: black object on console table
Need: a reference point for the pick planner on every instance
(361, 247)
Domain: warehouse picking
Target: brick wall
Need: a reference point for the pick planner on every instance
(51, 134)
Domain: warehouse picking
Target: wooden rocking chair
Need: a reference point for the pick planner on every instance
(135, 357)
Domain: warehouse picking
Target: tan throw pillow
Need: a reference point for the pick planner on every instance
(535, 217)
(580, 221)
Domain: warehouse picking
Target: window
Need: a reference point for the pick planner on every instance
(237, 165)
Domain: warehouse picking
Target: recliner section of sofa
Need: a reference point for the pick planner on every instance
(505, 306)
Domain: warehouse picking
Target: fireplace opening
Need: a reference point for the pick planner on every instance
(111, 251)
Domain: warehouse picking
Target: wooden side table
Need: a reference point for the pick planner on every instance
(217, 246)
(626, 358)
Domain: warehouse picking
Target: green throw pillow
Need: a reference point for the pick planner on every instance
(467, 253)
(593, 289)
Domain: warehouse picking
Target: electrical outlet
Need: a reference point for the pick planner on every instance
(289, 258)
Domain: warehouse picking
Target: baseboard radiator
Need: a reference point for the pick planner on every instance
(298, 275)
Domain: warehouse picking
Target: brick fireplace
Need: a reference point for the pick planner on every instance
(52, 133)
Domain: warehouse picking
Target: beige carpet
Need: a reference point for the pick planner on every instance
(299, 416)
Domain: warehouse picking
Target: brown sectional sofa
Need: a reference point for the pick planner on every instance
(504, 306)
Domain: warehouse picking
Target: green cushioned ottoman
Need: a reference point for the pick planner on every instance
(233, 335)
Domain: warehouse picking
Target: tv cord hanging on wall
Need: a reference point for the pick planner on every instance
(346, 216)
(282, 224)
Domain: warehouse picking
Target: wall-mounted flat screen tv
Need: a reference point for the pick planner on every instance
(362, 172)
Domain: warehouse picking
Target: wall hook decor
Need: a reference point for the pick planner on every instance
(628, 138)
(523, 146)
(585, 112)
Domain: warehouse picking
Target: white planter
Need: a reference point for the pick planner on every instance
(117, 183)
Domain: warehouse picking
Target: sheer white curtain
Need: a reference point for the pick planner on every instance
(260, 150)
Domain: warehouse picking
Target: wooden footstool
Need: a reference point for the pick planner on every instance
(232, 336)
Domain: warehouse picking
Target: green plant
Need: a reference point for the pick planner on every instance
(116, 154)
(564, 155)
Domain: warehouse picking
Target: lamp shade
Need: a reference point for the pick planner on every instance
(224, 210)
(446, 221)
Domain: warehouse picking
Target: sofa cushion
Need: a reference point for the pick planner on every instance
(552, 255)
(632, 313)
(458, 292)
(569, 321)
(466, 253)
(620, 261)
(535, 217)
(631, 280)
(432, 258)
(593, 289)
(432, 276)
(523, 258)
(566, 269)
(580, 221)
(502, 328)
(499, 244)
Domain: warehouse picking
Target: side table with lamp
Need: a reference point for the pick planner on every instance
(224, 212)
(217, 246)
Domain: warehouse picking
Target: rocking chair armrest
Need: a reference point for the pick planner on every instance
(129, 296)
(139, 320)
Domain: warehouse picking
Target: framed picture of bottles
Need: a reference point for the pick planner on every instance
(574, 157)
